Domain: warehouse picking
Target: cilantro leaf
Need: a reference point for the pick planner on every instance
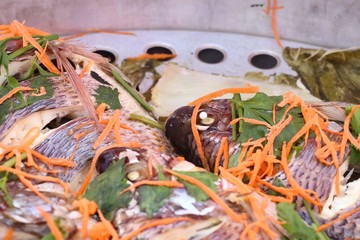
(206, 178)
(105, 189)
(109, 96)
(260, 108)
(37, 83)
(152, 198)
(233, 160)
(17, 102)
(294, 225)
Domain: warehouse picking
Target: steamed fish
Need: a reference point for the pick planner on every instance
(75, 166)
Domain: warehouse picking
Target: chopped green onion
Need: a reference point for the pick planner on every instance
(147, 121)
(132, 92)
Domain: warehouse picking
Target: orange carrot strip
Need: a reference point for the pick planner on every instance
(30, 186)
(57, 162)
(210, 96)
(124, 126)
(100, 111)
(292, 181)
(274, 25)
(152, 224)
(20, 173)
(257, 164)
(341, 217)
(241, 187)
(157, 56)
(14, 91)
(51, 224)
(107, 129)
(216, 198)
(27, 36)
(44, 59)
(197, 138)
(86, 208)
(219, 154)
(150, 168)
(226, 154)
(173, 184)
(86, 69)
(9, 234)
(256, 122)
(234, 121)
(109, 227)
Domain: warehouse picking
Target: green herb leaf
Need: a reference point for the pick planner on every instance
(16, 102)
(3, 188)
(294, 225)
(108, 95)
(354, 158)
(206, 178)
(37, 83)
(105, 189)
(260, 108)
(233, 160)
(152, 198)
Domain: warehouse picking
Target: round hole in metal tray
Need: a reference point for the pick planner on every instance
(160, 49)
(106, 53)
(211, 54)
(264, 60)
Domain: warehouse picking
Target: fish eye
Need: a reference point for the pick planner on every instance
(206, 118)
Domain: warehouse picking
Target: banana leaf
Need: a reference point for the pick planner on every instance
(331, 75)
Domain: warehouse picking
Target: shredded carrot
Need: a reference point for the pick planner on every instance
(51, 224)
(154, 223)
(86, 69)
(13, 91)
(197, 138)
(98, 231)
(210, 96)
(173, 184)
(100, 111)
(256, 122)
(9, 234)
(86, 208)
(291, 180)
(124, 126)
(107, 129)
(44, 59)
(27, 36)
(109, 227)
(219, 154)
(341, 217)
(20, 173)
(157, 56)
(216, 198)
(241, 187)
(150, 168)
